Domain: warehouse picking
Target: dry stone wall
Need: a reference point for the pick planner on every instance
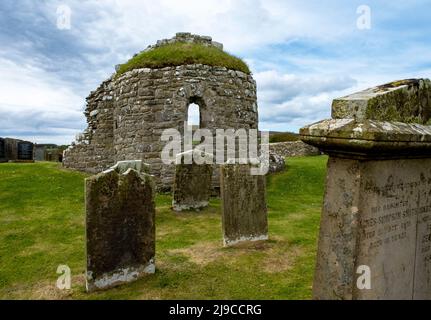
(293, 149)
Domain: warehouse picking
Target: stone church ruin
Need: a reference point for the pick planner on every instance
(127, 113)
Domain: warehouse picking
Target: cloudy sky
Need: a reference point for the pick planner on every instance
(302, 53)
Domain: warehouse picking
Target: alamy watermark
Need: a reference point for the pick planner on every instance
(239, 146)
(64, 17)
(364, 280)
(363, 22)
(64, 281)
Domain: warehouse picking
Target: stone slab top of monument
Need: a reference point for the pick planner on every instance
(369, 138)
(388, 121)
(404, 101)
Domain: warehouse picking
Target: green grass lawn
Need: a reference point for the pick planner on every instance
(42, 226)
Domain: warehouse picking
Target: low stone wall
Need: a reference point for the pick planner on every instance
(293, 149)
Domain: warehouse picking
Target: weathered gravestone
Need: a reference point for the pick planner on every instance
(192, 183)
(244, 211)
(120, 231)
(375, 233)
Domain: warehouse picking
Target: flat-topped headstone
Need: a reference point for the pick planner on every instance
(120, 225)
(123, 166)
(192, 183)
(376, 215)
(244, 210)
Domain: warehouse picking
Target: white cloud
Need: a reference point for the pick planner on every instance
(290, 101)
(303, 53)
(274, 87)
(34, 102)
(39, 103)
(241, 25)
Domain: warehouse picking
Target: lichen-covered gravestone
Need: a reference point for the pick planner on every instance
(192, 184)
(244, 211)
(375, 233)
(120, 231)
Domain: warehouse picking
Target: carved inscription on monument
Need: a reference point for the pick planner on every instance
(395, 224)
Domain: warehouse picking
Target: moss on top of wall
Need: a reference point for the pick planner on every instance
(182, 53)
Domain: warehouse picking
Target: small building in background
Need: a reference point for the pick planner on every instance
(2, 150)
(16, 150)
(25, 151)
(48, 152)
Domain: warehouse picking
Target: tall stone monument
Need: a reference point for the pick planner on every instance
(244, 211)
(192, 183)
(120, 230)
(375, 233)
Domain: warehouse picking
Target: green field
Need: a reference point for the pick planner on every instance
(42, 226)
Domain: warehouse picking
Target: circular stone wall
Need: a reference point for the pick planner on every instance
(148, 101)
(127, 113)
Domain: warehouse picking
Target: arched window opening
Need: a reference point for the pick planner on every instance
(194, 118)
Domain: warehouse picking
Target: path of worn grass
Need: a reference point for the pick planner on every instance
(42, 226)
